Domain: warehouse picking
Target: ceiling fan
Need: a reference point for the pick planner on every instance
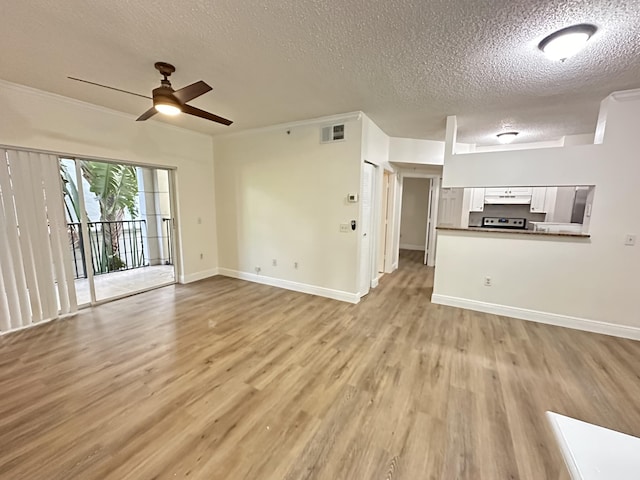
(168, 101)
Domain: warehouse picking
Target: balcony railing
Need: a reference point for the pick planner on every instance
(114, 246)
(167, 232)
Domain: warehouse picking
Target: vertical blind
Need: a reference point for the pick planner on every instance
(35, 258)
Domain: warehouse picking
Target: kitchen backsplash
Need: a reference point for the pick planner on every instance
(517, 211)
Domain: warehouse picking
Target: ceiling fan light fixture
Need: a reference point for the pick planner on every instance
(567, 42)
(167, 109)
(507, 137)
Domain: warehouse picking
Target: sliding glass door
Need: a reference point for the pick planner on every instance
(120, 226)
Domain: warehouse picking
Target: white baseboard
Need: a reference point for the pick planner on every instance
(194, 277)
(374, 282)
(409, 246)
(577, 323)
(290, 285)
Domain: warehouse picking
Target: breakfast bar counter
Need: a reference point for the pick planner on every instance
(515, 231)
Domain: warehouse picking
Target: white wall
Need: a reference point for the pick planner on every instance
(375, 150)
(574, 282)
(39, 120)
(283, 196)
(415, 205)
(411, 150)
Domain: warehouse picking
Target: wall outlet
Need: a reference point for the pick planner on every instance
(487, 281)
(258, 269)
(345, 228)
(274, 262)
(629, 240)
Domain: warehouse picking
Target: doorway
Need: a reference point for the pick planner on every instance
(385, 227)
(120, 225)
(418, 198)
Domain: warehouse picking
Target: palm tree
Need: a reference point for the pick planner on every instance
(116, 188)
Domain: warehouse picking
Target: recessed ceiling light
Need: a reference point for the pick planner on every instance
(507, 137)
(567, 42)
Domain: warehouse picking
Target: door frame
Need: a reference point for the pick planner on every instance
(430, 234)
(373, 229)
(84, 226)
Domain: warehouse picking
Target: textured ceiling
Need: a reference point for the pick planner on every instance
(406, 63)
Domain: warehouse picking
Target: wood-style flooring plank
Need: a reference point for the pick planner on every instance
(225, 379)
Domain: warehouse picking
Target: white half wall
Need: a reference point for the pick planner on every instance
(33, 119)
(412, 150)
(593, 280)
(282, 196)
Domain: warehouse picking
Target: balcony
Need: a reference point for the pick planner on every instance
(125, 257)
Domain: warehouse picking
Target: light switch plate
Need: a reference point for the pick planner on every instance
(629, 240)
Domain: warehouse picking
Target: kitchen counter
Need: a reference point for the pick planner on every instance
(515, 231)
(592, 452)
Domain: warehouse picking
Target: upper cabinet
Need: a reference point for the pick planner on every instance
(538, 196)
(543, 200)
(477, 200)
(508, 195)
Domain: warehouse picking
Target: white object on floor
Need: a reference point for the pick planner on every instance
(596, 453)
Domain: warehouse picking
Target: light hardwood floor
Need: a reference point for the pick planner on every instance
(225, 379)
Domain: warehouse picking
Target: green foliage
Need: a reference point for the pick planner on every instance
(114, 185)
(70, 192)
(116, 189)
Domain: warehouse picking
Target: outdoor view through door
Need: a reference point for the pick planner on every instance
(120, 227)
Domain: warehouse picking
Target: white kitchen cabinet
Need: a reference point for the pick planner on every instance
(507, 191)
(508, 195)
(538, 197)
(520, 191)
(550, 203)
(477, 200)
(496, 192)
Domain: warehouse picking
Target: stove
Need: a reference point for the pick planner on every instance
(505, 222)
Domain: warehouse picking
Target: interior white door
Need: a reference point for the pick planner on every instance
(366, 222)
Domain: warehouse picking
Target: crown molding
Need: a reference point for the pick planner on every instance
(324, 121)
(90, 106)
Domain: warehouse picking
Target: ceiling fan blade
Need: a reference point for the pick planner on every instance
(192, 91)
(106, 86)
(148, 114)
(202, 114)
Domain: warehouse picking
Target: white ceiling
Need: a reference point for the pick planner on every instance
(406, 63)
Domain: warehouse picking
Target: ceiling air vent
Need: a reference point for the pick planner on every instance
(334, 133)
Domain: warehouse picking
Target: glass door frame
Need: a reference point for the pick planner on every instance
(84, 227)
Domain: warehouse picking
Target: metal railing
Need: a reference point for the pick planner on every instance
(76, 241)
(115, 246)
(167, 232)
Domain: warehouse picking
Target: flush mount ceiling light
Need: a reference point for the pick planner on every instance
(567, 42)
(167, 109)
(164, 102)
(507, 137)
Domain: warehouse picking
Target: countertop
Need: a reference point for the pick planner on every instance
(515, 231)
(595, 453)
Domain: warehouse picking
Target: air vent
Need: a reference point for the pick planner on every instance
(334, 133)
